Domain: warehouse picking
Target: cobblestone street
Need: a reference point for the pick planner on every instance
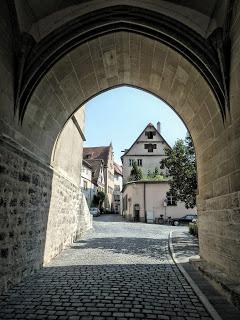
(119, 271)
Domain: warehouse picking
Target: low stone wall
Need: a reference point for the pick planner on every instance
(40, 213)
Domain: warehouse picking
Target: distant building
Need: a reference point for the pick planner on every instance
(117, 193)
(89, 189)
(97, 166)
(147, 199)
(147, 151)
(104, 153)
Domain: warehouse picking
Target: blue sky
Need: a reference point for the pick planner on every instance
(120, 115)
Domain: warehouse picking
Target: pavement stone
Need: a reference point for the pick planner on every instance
(120, 270)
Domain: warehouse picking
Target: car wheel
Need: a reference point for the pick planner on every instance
(176, 223)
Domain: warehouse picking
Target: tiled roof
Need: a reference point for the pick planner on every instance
(96, 165)
(91, 153)
(117, 169)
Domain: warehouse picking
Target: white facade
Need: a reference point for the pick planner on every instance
(147, 151)
(88, 188)
(148, 198)
(117, 193)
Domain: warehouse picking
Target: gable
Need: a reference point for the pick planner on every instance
(149, 142)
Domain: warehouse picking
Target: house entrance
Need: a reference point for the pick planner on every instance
(136, 212)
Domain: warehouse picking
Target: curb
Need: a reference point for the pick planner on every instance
(209, 307)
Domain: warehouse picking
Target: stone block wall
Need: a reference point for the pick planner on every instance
(68, 217)
(219, 197)
(41, 212)
(25, 193)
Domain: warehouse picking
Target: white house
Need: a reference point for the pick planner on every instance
(146, 200)
(147, 150)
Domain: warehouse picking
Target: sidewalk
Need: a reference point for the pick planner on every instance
(183, 247)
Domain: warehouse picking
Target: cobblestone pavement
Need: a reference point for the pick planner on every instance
(118, 271)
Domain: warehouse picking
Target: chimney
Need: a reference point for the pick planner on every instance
(159, 127)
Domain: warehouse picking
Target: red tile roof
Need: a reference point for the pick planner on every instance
(117, 169)
(96, 153)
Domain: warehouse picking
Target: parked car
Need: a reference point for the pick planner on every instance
(184, 220)
(95, 212)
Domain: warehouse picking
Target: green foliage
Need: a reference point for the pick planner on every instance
(181, 165)
(193, 229)
(136, 173)
(156, 175)
(156, 178)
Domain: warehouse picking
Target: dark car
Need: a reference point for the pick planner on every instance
(184, 220)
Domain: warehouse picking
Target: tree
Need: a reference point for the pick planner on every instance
(98, 199)
(181, 165)
(136, 173)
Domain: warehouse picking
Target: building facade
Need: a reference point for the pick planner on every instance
(117, 193)
(104, 153)
(146, 200)
(89, 189)
(147, 151)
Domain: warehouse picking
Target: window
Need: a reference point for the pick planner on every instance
(171, 200)
(87, 156)
(150, 146)
(131, 161)
(85, 185)
(150, 134)
(139, 162)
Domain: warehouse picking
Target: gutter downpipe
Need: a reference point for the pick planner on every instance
(144, 201)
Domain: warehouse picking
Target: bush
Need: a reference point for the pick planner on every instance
(193, 229)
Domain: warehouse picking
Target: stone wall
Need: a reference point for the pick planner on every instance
(25, 193)
(68, 217)
(41, 212)
(219, 194)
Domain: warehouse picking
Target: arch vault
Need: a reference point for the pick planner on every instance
(61, 69)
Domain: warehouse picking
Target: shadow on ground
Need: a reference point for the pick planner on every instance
(146, 247)
(185, 247)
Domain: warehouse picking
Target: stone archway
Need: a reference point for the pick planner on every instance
(124, 58)
(101, 63)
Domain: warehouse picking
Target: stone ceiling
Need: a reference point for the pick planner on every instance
(41, 17)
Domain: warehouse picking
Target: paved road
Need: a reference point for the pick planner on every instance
(118, 271)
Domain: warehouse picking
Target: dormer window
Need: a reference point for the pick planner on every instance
(150, 134)
(150, 146)
(88, 156)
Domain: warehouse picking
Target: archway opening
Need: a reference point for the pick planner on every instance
(127, 58)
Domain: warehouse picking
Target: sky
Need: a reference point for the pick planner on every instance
(120, 115)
